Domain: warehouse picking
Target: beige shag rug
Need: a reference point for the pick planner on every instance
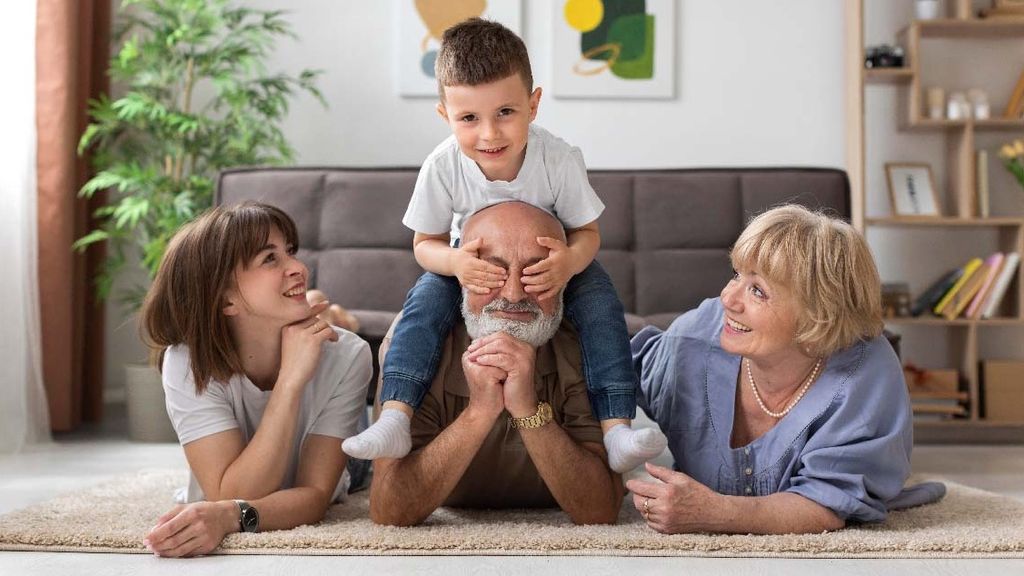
(113, 517)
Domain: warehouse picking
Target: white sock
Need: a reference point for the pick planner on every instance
(628, 448)
(388, 437)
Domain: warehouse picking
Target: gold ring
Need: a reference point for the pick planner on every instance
(647, 507)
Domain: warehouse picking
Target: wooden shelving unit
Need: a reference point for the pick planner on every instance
(960, 183)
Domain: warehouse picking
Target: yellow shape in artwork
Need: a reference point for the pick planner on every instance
(440, 15)
(584, 15)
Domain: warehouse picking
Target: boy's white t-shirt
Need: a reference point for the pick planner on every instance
(450, 186)
(332, 403)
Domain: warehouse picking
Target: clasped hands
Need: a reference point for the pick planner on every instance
(499, 369)
(545, 278)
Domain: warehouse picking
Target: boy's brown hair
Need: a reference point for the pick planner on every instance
(478, 51)
(185, 303)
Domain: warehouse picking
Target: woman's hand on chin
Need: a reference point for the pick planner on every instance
(677, 504)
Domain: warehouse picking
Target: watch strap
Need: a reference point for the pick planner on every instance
(537, 420)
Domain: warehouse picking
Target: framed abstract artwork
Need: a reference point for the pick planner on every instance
(613, 49)
(421, 23)
(912, 190)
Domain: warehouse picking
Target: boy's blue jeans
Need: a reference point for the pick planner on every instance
(590, 303)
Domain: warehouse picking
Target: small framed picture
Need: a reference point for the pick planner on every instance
(912, 190)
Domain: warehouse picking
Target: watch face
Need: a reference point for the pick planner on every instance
(250, 519)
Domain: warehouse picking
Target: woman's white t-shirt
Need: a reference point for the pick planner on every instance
(332, 403)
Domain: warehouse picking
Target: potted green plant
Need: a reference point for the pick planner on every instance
(195, 98)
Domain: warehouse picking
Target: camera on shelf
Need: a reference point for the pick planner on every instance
(883, 56)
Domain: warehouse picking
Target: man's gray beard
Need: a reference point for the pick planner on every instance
(535, 332)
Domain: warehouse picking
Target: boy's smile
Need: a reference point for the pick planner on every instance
(491, 123)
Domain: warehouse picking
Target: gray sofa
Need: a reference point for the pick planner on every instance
(665, 234)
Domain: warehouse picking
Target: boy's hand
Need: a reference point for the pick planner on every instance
(547, 277)
(477, 275)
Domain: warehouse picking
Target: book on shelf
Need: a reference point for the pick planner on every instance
(930, 297)
(995, 265)
(1015, 106)
(947, 409)
(981, 183)
(966, 293)
(968, 271)
(1001, 283)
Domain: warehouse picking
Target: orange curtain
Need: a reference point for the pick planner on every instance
(72, 51)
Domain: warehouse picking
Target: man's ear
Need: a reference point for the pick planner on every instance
(534, 103)
(442, 111)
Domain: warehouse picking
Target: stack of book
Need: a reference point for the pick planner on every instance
(973, 291)
(935, 394)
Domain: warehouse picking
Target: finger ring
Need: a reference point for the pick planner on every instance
(647, 507)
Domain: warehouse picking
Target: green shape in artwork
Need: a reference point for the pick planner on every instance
(613, 10)
(642, 67)
(630, 33)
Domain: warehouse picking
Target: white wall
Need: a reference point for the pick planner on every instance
(757, 84)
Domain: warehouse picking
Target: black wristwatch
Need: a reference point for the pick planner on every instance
(248, 517)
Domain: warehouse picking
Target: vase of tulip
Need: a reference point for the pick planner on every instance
(1012, 155)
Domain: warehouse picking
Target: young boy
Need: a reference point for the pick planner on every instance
(496, 155)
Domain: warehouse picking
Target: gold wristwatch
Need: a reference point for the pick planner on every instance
(542, 417)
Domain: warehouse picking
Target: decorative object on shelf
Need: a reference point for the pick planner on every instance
(613, 49)
(926, 9)
(981, 177)
(912, 190)
(1004, 9)
(980, 108)
(1012, 155)
(1015, 105)
(957, 107)
(895, 299)
(883, 56)
(935, 394)
(421, 23)
(936, 97)
(1001, 397)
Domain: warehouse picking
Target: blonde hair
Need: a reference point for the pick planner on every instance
(828, 268)
(185, 302)
(478, 51)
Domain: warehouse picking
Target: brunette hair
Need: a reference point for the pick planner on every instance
(478, 51)
(828, 267)
(184, 305)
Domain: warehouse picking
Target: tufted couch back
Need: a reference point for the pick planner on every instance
(665, 234)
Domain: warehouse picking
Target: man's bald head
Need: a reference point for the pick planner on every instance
(510, 220)
(507, 235)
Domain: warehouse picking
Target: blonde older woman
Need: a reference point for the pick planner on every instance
(785, 408)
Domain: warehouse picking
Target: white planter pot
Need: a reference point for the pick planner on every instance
(147, 413)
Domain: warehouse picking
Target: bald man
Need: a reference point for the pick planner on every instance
(507, 421)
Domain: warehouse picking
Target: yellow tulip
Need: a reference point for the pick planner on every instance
(1006, 151)
(1018, 147)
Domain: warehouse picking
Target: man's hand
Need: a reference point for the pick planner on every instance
(485, 387)
(547, 277)
(478, 276)
(516, 359)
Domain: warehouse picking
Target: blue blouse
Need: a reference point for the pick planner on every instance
(846, 445)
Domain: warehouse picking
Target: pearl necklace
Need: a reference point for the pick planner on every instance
(803, 390)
